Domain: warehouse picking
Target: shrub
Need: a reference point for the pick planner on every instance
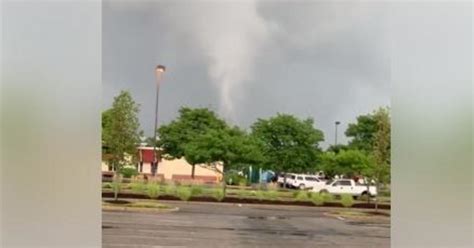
(301, 196)
(271, 194)
(260, 195)
(116, 186)
(235, 179)
(128, 172)
(153, 190)
(169, 189)
(243, 182)
(317, 199)
(138, 187)
(106, 185)
(347, 200)
(243, 193)
(196, 190)
(184, 193)
(218, 194)
(327, 197)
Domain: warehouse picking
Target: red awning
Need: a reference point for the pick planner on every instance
(147, 156)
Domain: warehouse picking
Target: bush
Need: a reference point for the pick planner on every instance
(196, 190)
(153, 190)
(235, 179)
(327, 197)
(271, 194)
(317, 199)
(347, 200)
(138, 187)
(243, 193)
(260, 195)
(184, 193)
(128, 172)
(107, 185)
(301, 196)
(116, 186)
(243, 182)
(170, 189)
(218, 194)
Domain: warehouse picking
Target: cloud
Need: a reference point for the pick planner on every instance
(230, 35)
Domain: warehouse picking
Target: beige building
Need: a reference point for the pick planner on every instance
(175, 169)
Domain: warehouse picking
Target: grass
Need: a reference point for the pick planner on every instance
(136, 205)
(271, 194)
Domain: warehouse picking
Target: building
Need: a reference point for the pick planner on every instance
(171, 170)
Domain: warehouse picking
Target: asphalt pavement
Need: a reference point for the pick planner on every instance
(232, 225)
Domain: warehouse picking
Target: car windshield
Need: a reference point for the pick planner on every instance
(329, 182)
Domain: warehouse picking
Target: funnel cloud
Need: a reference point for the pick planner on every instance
(249, 59)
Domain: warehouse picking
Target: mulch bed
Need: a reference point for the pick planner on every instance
(246, 201)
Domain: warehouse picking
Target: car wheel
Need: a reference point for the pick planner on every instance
(302, 186)
(323, 191)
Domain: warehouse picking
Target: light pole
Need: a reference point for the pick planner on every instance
(335, 137)
(159, 70)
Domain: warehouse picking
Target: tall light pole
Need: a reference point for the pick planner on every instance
(335, 137)
(159, 70)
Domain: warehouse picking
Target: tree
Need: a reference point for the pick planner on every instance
(289, 144)
(120, 132)
(362, 132)
(231, 147)
(381, 147)
(337, 148)
(191, 123)
(347, 162)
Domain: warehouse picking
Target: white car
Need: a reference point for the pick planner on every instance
(306, 182)
(347, 186)
(289, 179)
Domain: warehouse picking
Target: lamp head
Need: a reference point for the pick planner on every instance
(160, 69)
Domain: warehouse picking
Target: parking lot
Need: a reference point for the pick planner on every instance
(231, 225)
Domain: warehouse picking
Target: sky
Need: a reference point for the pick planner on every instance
(249, 59)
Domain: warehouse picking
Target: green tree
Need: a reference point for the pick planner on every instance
(362, 133)
(381, 147)
(191, 123)
(231, 146)
(120, 134)
(337, 148)
(288, 143)
(346, 162)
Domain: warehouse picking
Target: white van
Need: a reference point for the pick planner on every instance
(301, 181)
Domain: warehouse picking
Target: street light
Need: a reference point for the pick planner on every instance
(159, 70)
(335, 137)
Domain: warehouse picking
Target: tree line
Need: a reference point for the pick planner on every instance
(282, 143)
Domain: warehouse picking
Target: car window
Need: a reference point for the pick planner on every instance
(292, 177)
(345, 183)
(314, 179)
(299, 178)
(329, 182)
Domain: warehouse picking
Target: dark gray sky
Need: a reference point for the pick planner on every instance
(249, 59)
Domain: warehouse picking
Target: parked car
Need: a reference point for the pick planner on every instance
(307, 182)
(347, 186)
(289, 179)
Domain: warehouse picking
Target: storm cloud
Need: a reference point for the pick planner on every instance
(249, 59)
